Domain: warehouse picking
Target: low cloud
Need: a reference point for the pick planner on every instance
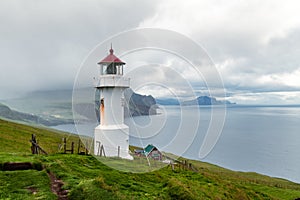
(255, 45)
(44, 42)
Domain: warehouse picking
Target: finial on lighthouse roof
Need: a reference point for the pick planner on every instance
(111, 58)
(111, 51)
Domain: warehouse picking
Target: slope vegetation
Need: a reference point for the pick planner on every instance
(84, 177)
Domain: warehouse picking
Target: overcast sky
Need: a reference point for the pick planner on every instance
(254, 44)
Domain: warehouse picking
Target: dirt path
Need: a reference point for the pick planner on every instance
(56, 187)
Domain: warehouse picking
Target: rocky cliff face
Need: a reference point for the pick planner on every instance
(137, 104)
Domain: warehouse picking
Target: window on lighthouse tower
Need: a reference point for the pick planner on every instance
(111, 69)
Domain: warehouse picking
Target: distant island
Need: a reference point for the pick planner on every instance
(201, 100)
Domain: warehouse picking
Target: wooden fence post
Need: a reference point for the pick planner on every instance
(86, 148)
(101, 148)
(99, 145)
(72, 148)
(79, 145)
(35, 148)
(65, 145)
(102, 152)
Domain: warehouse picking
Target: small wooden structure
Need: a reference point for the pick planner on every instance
(81, 148)
(35, 148)
(100, 151)
(149, 151)
(153, 152)
(65, 146)
(182, 164)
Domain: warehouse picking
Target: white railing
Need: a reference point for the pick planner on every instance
(112, 81)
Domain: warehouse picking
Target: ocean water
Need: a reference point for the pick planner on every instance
(263, 139)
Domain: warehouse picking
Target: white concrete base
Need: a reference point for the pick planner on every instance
(115, 141)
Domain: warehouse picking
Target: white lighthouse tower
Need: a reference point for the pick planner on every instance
(112, 135)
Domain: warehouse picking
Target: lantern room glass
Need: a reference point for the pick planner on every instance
(111, 69)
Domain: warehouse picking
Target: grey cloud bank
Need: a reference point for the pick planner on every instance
(43, 43)
(255, 45)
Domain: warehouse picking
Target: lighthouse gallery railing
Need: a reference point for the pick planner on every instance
(112, 81)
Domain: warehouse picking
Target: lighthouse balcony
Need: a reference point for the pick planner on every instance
(112, 81)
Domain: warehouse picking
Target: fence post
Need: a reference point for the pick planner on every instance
(65, 145)
(33, 147)
(78, 148)
(72, 148)
(86, 148)
(102, 151)
(101, 148)
(98, 152)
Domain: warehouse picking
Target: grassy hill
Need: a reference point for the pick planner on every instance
(84, 177)
(15, 138)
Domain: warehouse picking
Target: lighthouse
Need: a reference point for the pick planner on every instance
(111, 136)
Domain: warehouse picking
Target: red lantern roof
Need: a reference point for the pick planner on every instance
(111, 58)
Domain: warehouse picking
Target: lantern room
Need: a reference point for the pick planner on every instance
(111, 65)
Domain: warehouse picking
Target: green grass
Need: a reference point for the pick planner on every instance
(87, 178)
(15, 138)
(29, 184)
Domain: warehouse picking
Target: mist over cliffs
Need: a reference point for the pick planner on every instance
(51, 108)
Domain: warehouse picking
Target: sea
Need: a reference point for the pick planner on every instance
(248, 138)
